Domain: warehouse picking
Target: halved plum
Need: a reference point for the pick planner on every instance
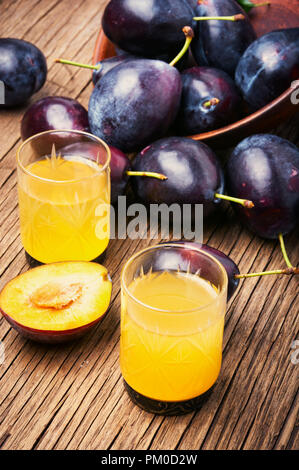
(57, 302)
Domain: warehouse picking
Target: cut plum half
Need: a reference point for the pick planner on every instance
(57, 302)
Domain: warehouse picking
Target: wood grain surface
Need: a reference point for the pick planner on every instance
(72, 396)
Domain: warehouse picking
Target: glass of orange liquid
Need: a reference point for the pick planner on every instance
(64, 196)
(172, 319)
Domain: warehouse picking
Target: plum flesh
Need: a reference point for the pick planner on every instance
(148, 28)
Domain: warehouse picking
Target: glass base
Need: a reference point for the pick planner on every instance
(169, 408)
(33, 262)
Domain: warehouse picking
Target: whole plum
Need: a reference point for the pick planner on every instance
(148, 28)
(194, 174)
(210, 99)
(54, 113)
(135, 103)
(268, 67)
(23, 70)
(265, 169)
(220, 43)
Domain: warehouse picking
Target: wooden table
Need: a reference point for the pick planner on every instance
(72, 396)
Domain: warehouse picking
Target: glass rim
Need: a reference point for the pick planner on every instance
(221, 292)
(55, 131)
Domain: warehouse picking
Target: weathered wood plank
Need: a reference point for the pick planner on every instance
(52, 36)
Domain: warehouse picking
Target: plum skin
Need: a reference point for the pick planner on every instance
(49, 336)
(23, 70)
(54, 113)
(265, 169)
(193, 171)
(148, 28)
(108, 64)
(201, 84)
(73, 329)
(268, 67)
(119, 165)
(221, 44)
(192, 3)
(125, 108)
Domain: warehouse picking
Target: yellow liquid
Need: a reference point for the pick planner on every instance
(171, 356)
(65, 215)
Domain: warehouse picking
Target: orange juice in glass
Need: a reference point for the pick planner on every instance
(172, 321)
(64, 196)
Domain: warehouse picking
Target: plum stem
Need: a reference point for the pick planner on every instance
(284, 252)
(244, 202)
(189, 35)
(211, 102)
(288, 271)
(149, 174)
(78, 64)
(238, 17)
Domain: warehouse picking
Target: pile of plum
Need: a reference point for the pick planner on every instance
(182, 67)
(231, 71)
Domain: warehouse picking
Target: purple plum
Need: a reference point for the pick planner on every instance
(268, 67)
(147, 28)
(210, 100)
(265, 169)
(220, 43)
(126, 108)
(23, 70)
(192, 168)
(54, 113)
(119, 164)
